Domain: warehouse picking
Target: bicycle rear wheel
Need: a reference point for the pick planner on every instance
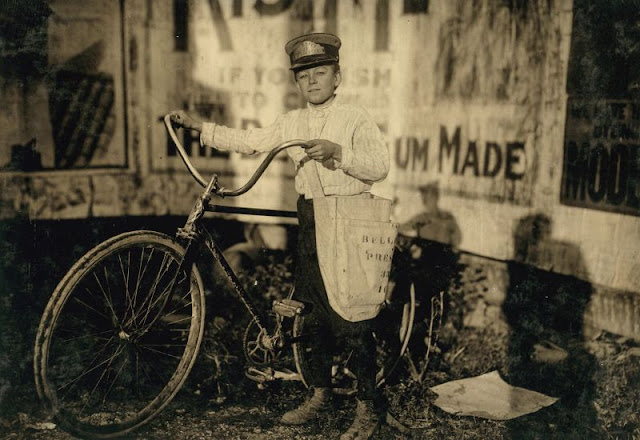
(119, 335)
(392, 337)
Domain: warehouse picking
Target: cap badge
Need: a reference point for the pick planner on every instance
(307, 48)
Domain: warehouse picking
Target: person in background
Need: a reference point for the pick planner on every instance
(352, 154)
(429, 259)
(432, 238)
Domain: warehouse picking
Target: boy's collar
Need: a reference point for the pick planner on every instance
(324, 105)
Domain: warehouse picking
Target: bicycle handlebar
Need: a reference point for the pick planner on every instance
(252, 180)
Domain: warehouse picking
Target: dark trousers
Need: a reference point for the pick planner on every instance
(323, 327)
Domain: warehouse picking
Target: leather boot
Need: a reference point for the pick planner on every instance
(313, 407)
(367, 421)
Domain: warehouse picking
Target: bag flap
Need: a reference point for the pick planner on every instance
(363, 207)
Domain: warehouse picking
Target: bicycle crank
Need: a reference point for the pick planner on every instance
(260, 346)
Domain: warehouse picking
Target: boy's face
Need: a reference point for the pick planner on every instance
(317, 84)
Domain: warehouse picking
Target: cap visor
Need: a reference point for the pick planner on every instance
(300, 65)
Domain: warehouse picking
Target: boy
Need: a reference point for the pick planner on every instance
(351, 154)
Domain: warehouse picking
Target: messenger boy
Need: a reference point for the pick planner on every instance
(351, 155)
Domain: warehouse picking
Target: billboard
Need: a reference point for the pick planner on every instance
(63, 103)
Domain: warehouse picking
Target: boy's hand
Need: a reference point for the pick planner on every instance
(182, 119)
(322, 150)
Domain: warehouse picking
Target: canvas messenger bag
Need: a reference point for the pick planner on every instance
(355, 242)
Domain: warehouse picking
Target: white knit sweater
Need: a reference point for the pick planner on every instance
(365, 155)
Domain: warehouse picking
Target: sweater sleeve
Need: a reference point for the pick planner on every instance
(369, 158)
(248, 141)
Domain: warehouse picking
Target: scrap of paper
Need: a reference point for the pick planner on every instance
(489, 397)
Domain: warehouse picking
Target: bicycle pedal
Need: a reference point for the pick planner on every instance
(259, 375)
(288, 308)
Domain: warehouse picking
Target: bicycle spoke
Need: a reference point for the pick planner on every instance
(110, 361)
(132, 299)
(162, 296)
(142, 271)
(181, 302)
(87, 336)
(90, 370)
(167, 291)
(152, 290)
(113, 382)
(147, 302)
(159, 378)
(104, 294)
(175, 282)
(164, 345)
(155, 359)
(161, 352)
(139, 368)
(177, 321)
(76, 299)
(106, 282)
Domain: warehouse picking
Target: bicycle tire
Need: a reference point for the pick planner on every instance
(119, 335)
(387, 361)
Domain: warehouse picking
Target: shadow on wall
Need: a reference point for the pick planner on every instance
(545, 311)
(427, 256)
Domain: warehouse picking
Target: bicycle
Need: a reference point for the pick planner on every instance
(122, 329)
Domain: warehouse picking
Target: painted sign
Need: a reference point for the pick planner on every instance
(478, 158)
(236, 74)
(602, 155)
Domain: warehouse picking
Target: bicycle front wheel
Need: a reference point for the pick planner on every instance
(119, 335)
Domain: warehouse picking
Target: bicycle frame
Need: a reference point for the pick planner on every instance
(192, 232)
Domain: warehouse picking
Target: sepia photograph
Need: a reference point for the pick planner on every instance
(320, 219)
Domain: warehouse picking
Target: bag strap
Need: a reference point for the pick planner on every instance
(313, 179)
(311, 167)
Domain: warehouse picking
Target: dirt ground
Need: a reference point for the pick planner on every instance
(604, 405)
(597, 380)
